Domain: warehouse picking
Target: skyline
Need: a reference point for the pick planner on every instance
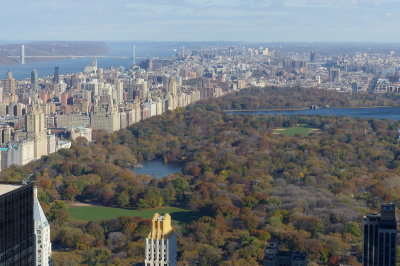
(188, 20)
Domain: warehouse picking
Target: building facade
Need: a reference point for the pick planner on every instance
(380, 237)
(82, 132)
(105, 117)
(17, 226)
(42, 234)
(161, 242)
(35, 128)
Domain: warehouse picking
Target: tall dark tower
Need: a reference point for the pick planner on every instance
(313, 56)
(34, 76)
(56, 77)
(17, 224)
(380, 232)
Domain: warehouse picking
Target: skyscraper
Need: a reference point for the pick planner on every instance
(9, 84)
(161, 242)
(172, 86)
(35, 128)
(34, 79)
(150, 64)
(313, 56)
(334, 75)
(16, 224)
(42, 234)
(34, 76)
(380, 232)
(56, 78)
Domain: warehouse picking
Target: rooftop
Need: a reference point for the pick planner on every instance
(5, 188)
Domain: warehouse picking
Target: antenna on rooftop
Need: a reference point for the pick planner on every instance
(28, 180)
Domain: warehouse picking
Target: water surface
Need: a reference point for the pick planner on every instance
(392, 113)
(158, 169)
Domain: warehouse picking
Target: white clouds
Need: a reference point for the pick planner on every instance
(251, 20)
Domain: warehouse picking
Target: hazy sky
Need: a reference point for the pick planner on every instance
(202, 20)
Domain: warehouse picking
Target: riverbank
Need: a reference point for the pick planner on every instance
(303, 109)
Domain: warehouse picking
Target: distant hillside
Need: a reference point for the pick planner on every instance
(52, 48)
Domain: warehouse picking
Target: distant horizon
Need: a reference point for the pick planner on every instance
(192, 20)
(204, 41)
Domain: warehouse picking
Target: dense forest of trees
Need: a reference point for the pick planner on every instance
(246, 183)
(293, 98)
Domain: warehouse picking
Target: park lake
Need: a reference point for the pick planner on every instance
(157, 168)
(392, 113)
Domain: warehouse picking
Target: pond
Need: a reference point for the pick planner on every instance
(157, 168)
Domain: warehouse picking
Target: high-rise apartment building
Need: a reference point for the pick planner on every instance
(42, 234)
(16, 225)
(9, 84)
(35, 128)
(106, 117)
(334, 75)
(56, 77)
(150, 64)
(313, 56)
(161, 242)
(380, 233)
(34, 79)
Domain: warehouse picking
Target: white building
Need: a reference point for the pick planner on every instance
(42, 234)
(64, 144)
(161, 242)
(51, 144)
(20, 153)
(81, 132)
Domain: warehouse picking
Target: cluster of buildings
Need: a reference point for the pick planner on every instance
(113, 99)
(340, 69)
(37, 115)
(20, 147)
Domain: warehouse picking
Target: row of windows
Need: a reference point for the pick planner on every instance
(17, 227)
(379, 247)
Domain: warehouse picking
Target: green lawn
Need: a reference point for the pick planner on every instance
(93, 213)
(291, 131)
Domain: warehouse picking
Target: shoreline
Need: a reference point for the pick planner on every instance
(302, 109)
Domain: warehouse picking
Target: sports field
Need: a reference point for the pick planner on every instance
(291, 131)
(93, 213)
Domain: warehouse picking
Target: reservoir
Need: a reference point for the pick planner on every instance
(392, 113)
(157, 169)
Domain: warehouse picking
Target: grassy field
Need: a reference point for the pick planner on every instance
(93, 213)
(291, 131)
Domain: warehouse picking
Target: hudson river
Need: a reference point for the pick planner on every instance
(70, 66)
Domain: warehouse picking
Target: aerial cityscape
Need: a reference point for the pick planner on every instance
(200, 133)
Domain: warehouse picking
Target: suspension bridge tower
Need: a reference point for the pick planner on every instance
(23, 54)
(134, 55)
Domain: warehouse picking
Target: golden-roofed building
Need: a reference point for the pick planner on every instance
(161, 242)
